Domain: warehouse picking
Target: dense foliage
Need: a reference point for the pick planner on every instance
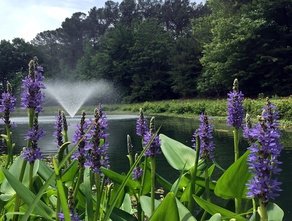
(156, 49)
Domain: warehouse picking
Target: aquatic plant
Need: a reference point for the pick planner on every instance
(78, 183)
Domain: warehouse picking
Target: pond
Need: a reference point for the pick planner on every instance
(177, 128)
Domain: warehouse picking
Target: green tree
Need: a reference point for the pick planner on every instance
(250, 41)
(185, 67)
(14, 57)
(150, 62)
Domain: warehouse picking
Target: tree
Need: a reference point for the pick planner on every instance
(185, 67)
(250, 41)
(150, 62)
(14, 57)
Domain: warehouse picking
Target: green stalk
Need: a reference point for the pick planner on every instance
(193, 172)
(79, 181)
(263, 211)
(237, 201)
(9, 147)
(207, 180)
(31, 113)
(236, 143)
(31, 175)
(153, 171)
(98, 196)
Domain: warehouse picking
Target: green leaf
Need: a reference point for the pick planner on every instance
(121, 215)
(216, 217)
(6, 188)
(184, 213)
(145, 202)
(167, 210)
(70, 172)
(118, 178)
(213, 209)
(275, 213)
(127, 204)
(178, 155)
(232, 183)
(165, 184)
(61, 192)
(45, 171)
(86, 187)
(28, 197)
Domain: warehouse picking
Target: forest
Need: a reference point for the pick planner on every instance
(156, 50)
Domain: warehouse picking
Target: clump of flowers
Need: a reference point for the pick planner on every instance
(33, 152)
(7, 104)
(32, 96)
(235, 111)
(141, 124)
(58, 129)
(97, 145)
(154, 148)
(205, 134)
(264, 155)
(79, 139)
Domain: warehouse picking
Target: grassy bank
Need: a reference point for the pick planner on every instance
(216, 108)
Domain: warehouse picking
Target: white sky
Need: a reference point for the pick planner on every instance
(26, 18)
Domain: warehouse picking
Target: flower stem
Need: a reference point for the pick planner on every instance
(153, 171)
(9, 147)
(237, 201)
(98, 196)
(207, 189)
(263, 211)
(193, 172)
(79, 181)
(31, 165)
(236, 143)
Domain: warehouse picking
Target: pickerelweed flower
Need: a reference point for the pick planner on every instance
(58, 129)
(7, 104)
(141, 124)
(32, 96)
(235, 111)
(78, 138)
(264, 155)
(205, 134)
(137, 173)
(97, 144)
(154, 148)
(33, 152)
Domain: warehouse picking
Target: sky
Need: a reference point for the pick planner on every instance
(27, 18)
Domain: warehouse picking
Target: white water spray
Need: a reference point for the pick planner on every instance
(72, 95)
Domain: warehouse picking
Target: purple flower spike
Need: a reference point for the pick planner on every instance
(7, 104)
(137, 173)
(58, 129)
(154, 148)
(205, 133)
(235, 111)
(33, 153)
(97, 145)
(32, 96)
(264, 155)
(80, 153)
(141, 124)
(73, 216)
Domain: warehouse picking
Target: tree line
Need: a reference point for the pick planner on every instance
(154, 49)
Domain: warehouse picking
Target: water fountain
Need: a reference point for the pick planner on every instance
(72, 95)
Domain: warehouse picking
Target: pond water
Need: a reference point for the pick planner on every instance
(177, 128)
